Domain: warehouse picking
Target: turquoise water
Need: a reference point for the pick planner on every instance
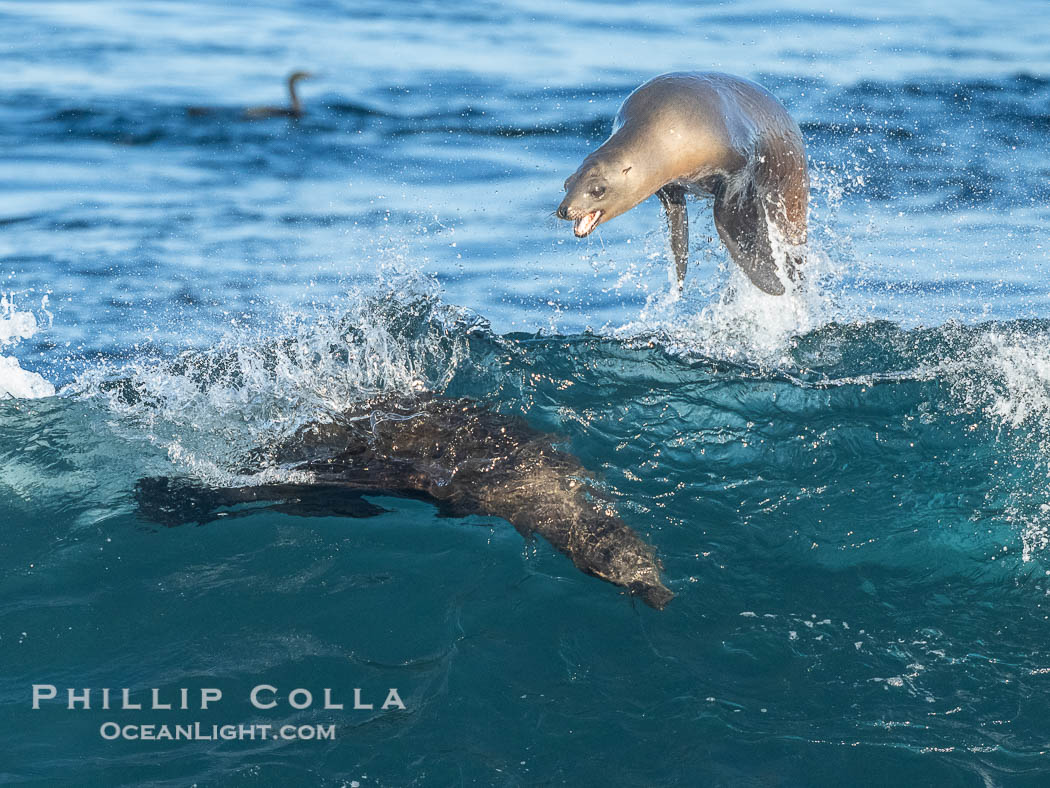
(847, 486)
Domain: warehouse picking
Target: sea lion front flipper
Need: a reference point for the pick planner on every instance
(673, 198)
(740, 219)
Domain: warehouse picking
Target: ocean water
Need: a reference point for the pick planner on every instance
(848, 486)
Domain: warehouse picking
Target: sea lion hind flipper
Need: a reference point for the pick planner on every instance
(326, 501)
(672, 196)
(172, 501)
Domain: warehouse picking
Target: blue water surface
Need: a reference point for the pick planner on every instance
(847, 486)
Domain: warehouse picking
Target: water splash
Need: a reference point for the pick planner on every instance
(209, 408)
(15, 326)
(728, 318)
(1006, 377)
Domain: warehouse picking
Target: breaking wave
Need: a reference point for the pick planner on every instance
(745, 394)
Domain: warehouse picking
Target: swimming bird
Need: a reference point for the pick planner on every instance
(455, 453)
(295, 108)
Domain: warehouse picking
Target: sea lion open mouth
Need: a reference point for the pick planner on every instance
(586, 223)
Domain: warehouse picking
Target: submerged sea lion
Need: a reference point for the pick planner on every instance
(294, 108)
(707, 134)
(455, 453)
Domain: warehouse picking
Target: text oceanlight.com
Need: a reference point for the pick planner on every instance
(197, 732)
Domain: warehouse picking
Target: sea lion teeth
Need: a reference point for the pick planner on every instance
(586, 223)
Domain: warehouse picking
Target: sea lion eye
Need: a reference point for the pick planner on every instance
(597, 192)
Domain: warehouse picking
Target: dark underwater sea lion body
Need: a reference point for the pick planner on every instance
(455, 453)
(708, 134)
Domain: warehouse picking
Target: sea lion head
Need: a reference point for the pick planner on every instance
(642, 579)
(608, 548)
(601, 189)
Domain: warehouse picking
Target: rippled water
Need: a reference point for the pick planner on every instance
(848, 486)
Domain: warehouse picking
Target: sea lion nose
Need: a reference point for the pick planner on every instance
(563, 211)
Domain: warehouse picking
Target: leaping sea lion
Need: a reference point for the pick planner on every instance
(455, 453)
(707, 134)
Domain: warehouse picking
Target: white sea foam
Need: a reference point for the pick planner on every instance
(1005, 377)
(734, 320)
(729, 318)
(1022, 364)
(207, 409)
(15, 326)
(1019, 389)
